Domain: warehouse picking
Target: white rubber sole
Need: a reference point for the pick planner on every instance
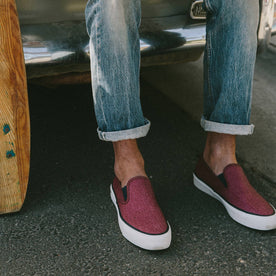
(252, 221)
(143, 240)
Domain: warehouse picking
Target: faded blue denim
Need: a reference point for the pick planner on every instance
(115, 63)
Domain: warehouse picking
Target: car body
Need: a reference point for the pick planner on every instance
(55, 41)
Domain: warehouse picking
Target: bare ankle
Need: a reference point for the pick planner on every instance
(219, 151)
(128, 161)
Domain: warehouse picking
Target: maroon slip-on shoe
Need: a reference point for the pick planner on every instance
(140, 218)
(232, 188)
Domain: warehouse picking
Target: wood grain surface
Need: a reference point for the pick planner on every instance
(14, 113)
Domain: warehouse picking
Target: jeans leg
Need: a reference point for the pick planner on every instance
(115, 68)
(229, 61)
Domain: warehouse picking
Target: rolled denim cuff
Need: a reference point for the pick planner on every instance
(133, 133)
(226, 128)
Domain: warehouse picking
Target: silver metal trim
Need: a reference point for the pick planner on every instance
(266, 19)
(194, 5)
(58, 48)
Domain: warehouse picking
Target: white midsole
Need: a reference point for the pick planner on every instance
(252, 221)
(143, 240)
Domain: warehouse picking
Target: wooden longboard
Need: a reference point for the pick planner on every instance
(14, 113)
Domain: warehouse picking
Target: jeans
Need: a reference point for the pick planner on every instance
(229, 59)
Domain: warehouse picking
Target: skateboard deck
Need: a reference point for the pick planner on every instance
(14, 113)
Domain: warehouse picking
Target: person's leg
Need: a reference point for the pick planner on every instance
(228, 75)
(115, 51)
(115, 65)
(229, 66)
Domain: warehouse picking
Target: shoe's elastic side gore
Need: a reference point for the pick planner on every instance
(257, 222)
(143, 240)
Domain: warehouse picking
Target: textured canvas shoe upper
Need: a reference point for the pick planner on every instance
(140, 210)
(237, 191)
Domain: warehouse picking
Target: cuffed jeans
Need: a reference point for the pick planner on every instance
(230, 52)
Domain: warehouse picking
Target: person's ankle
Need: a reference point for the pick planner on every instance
(219, 151)
(217, 162)
(129, 161)
(125, 170)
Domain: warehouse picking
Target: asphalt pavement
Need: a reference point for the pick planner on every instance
(68, 224)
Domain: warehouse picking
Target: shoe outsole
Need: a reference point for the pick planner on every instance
(140, 239)
(257, 222)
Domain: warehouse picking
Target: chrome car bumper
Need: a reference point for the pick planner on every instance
(60, 48)
(55, 40)
(56, 43)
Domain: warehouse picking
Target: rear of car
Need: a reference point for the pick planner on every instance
(55, 41)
